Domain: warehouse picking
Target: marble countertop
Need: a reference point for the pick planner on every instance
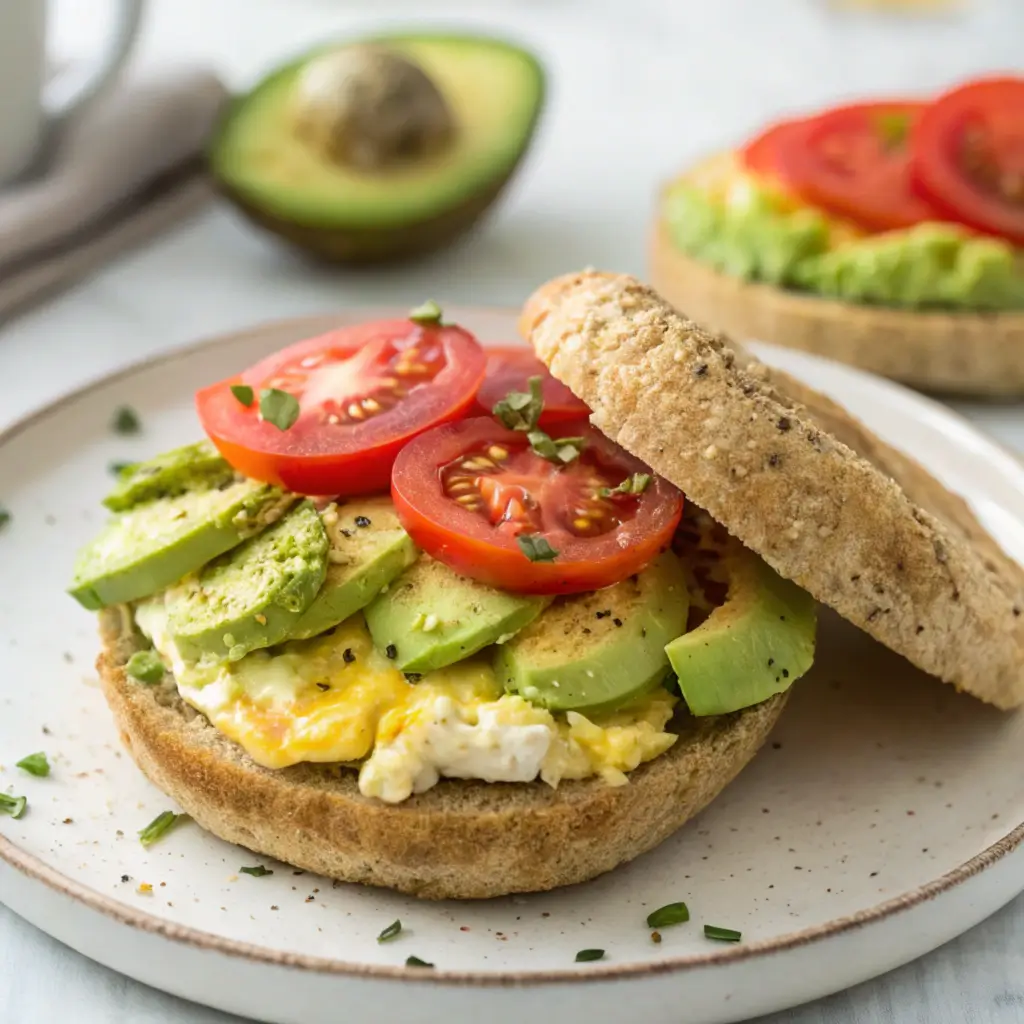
(637, 90)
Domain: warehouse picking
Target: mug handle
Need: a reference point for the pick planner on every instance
(68, 93)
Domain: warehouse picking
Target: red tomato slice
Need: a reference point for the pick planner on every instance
(855, 161)
(968, 155)
(467, 492)
(760, 155)
(363, 393)
(509, 368)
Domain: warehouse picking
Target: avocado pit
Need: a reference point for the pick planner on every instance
(371, 109)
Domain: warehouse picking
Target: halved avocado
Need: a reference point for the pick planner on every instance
(402, 196)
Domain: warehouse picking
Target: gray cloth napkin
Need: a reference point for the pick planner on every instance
(129, 167)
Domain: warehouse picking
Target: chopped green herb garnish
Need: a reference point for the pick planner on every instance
(635, 484)
(279, 407)
(12, 805)
(257, 872)
(145, 666)
(561, 449)
(429, 314)
(126, 421)
(520, 410)
(722, 934)
(390, 932)
(5, 517)
(536, 548)
(120, 468)
(671, 913)
(243, 393)
(585, 955)
(159, 827)
(894, 127)
(415, 961)
(35, 764)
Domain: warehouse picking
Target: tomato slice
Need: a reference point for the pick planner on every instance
(471, 493)
(363, 393)
(760, 155)
(855, 162)
(968, 155)
(509, 368)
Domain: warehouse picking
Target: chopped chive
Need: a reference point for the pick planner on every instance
(159, 827)
(893, 127)
(120, 468)
(145, 666)
(390, 932)
(427, 315)
(415, 961)
(586, 955)
(722, 934)
(635, 484)
(561, 449)
(671, 913)
(536, 548)
(279, 407)
(12, 805)
(244, 394)
(126, 421)
(257, 872)
(35, 764)
(520, 410)
(5, 517)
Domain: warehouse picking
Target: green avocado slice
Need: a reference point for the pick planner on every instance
(595, 651)
(758, 636)
(368, 549)
(194, 467)
(157, 543)
(431, 617)
(253, 596)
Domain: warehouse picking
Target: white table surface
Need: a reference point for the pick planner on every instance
(638, 89)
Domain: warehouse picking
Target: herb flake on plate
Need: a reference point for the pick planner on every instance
(12, 805)
(415, 961)
(126, 421)
(390, 932)
(159, 827)
(257, 872)
(712, 931)
(670, 914)
(35, 764)
(587, 955)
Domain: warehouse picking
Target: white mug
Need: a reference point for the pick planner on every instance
(31, 106)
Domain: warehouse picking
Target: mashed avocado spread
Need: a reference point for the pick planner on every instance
(747, 228)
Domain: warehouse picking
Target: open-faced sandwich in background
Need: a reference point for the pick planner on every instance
(396, 630)
(888, 234)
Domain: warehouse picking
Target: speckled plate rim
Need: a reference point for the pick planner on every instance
(35, 868)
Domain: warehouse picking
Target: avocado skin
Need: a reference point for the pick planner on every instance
(363, 560)
(353, 245)
(159, 559)
(252, 597)
(596, 651)
(374, 246)
(470, 616)
(754, 645)
(192, 467)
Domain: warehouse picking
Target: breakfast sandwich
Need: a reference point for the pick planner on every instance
(465, 622)
(887, 233)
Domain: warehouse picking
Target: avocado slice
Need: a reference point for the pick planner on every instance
(155, 544)
(381, 148)
(368, 549)
(253, 596)
(595, 651)
(194, 467)
(431, 617)
(757, 634)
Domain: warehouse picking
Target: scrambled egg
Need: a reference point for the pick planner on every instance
(334, 698)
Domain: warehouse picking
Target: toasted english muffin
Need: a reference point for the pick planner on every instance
(955, 353)
(872, 535)
(458, 840)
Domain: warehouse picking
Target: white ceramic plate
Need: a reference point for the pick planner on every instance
(885, 817)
